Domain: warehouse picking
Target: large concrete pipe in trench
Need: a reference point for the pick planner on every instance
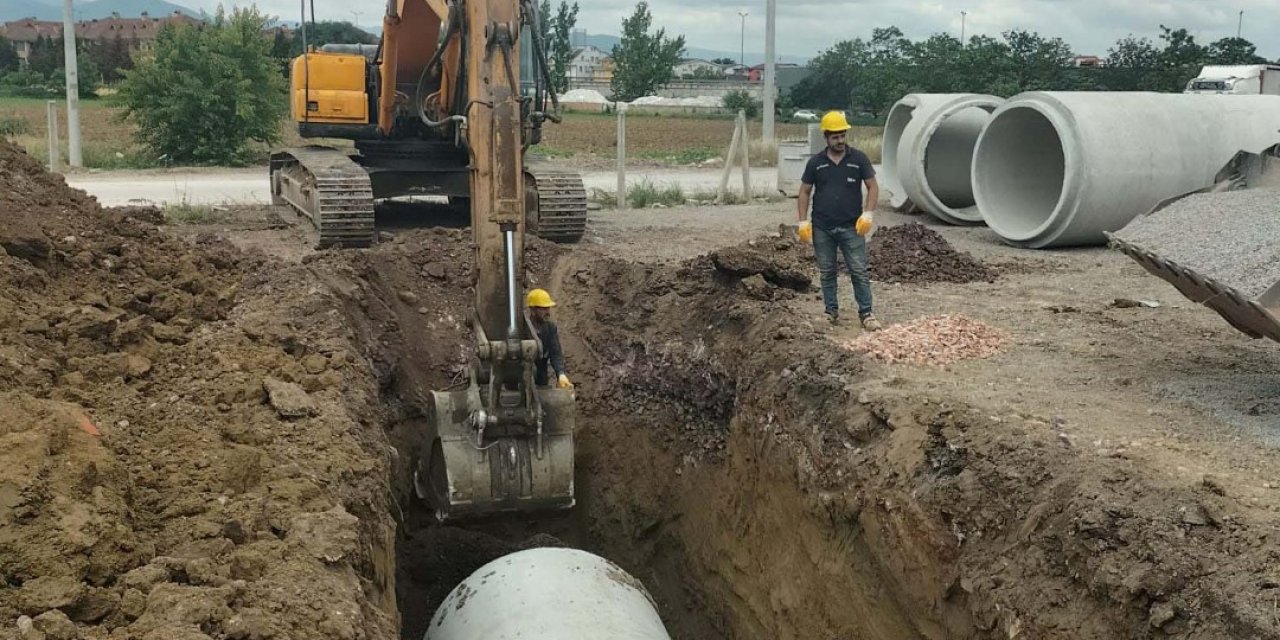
(548, 594)
(1060, 169)
(927, 152)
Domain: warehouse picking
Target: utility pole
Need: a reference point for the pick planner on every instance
(770, 80)
(73, 85)
(1240, 24)
(742, 40)
(963, 14)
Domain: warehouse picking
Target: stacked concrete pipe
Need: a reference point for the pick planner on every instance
(927, 152)
(1062, 169)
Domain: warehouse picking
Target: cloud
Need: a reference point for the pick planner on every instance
(806, 27)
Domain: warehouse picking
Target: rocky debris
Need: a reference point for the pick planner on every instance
(146, 213)
(329, 536)
(55, 625)
(934, 340)
(914, 253)
(289, 399)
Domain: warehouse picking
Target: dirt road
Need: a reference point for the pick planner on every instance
(249, 186)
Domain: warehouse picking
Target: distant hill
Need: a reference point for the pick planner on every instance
(52, 9)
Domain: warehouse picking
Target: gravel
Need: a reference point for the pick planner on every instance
(1231, 237)
(935, 340)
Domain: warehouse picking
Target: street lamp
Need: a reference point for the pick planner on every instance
(742, 40)
(962, 17)
(1240, 24)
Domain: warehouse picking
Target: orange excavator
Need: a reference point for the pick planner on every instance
(408, 105)
(438, 107)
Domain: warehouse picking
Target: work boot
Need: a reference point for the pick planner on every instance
(870, 323)
(834, 317)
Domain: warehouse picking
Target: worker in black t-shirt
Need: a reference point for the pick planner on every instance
(833, 180)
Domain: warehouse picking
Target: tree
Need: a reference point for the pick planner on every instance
(9, 60)
(1038, 62)
(45, 56)
(561, 46)
(330, 32)
(1133, 65)
(208, 91)
(643, 62)
(1234, 51)
(113, 56)
(741, 100)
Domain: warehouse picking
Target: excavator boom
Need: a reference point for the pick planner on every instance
(502, 444)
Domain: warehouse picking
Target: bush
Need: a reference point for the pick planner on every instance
(208, 91)
(14, 126)
(741, 100)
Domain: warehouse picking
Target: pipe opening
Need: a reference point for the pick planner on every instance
(899, 117)
(1020, 169)
(948, 157)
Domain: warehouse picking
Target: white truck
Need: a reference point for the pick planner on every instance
(1251, 79)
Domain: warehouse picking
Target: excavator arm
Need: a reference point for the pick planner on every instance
(501, 444)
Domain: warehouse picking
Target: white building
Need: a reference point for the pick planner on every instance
(691, 67)
(588, 63)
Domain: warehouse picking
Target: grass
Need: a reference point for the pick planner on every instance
(185, 212)
(646, 195)
(678, 140)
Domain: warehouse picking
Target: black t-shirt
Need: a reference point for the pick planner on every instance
(837, 188)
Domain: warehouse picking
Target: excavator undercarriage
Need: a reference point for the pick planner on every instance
(337, 194)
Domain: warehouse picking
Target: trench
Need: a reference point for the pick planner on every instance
(676, 481)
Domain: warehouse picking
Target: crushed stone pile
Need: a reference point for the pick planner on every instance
(584, 96)
(933, 340)
(914, 253)
(1232, 237)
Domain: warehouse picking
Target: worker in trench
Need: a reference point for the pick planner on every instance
(552, 356)
(833, 180)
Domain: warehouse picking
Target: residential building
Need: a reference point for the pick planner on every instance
(697, 68)
(756, 74)
(141, 32)
(588, 63)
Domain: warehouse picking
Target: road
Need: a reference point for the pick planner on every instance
(249, 186)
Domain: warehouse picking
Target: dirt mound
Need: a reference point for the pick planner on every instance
(914, 253)
(152, 488)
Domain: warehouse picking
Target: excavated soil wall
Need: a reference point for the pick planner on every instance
(200, 443)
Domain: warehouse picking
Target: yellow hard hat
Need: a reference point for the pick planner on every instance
(539, 298)
(834, 122)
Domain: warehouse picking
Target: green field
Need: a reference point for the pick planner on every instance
(107, 141)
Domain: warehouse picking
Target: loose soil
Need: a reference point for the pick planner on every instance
(915, 253)
(208, 435)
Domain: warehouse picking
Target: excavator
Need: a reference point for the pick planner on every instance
(406, 105)
(439, 104)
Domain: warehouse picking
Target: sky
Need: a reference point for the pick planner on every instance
(806, 27)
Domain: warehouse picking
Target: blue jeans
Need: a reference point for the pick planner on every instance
(854, 248)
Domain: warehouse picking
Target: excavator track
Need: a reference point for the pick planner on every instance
(330, 189)
(562, 205)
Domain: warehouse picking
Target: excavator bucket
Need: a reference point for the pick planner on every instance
(1227, 263)
(471, 472)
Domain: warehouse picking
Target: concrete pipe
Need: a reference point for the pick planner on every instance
(548, 594)
(929, 139)
(1060, 169)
